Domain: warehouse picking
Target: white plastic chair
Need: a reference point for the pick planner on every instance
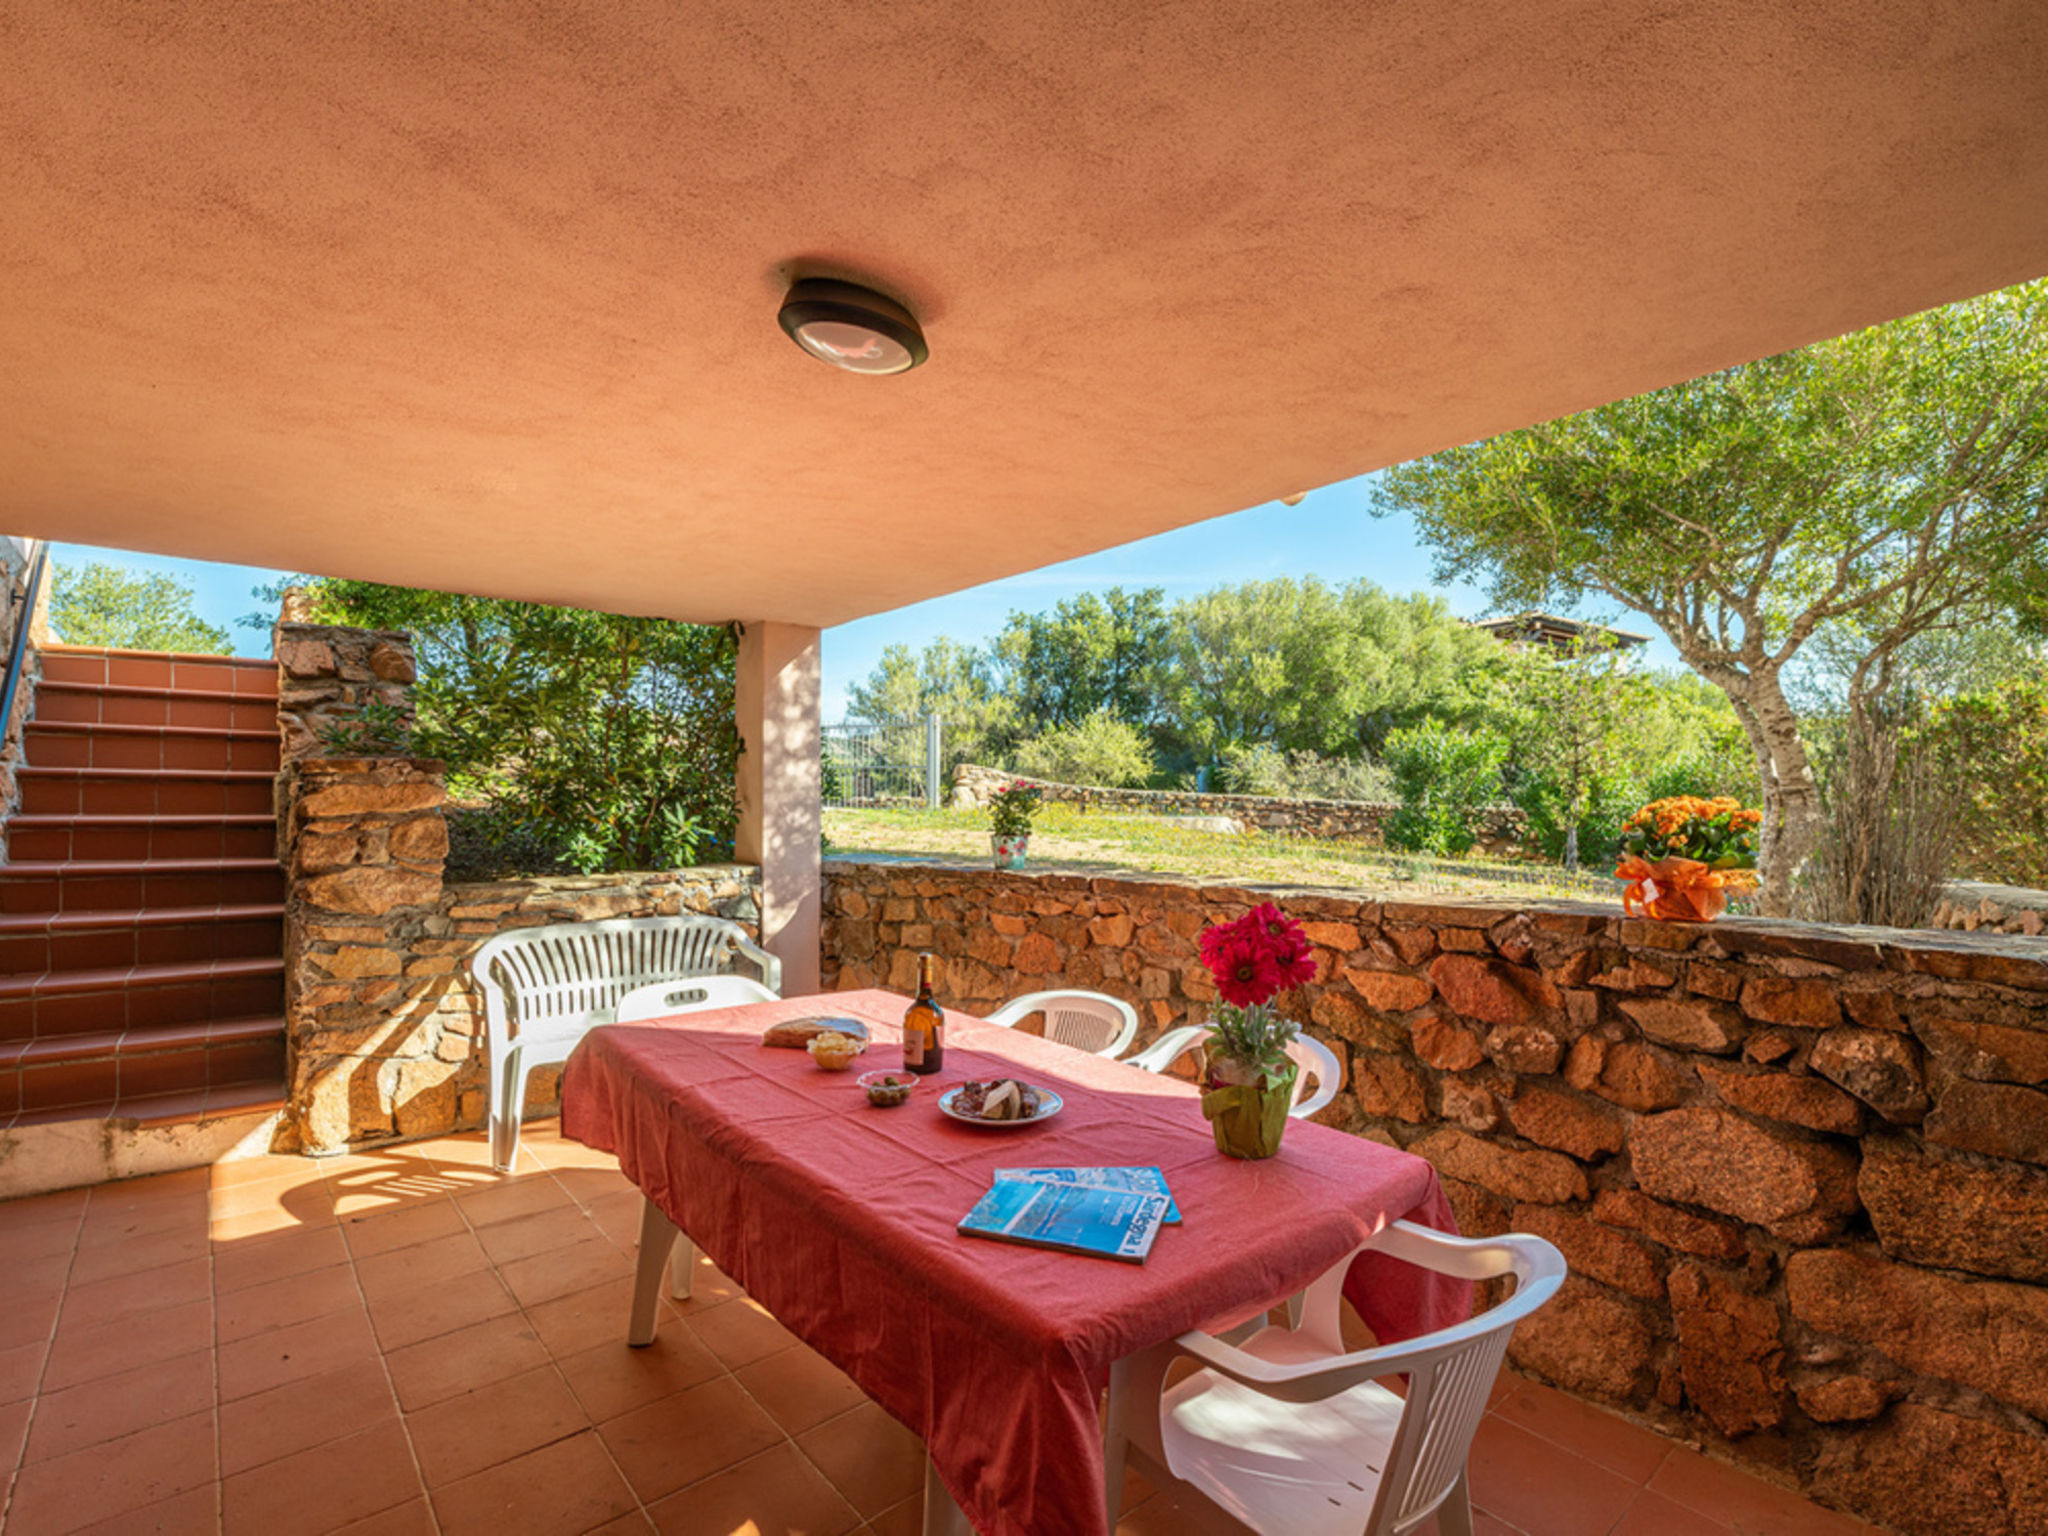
(546, 988)
(667, 997)
(1286, 1434)
(1312, 1058)
(1088, 1021)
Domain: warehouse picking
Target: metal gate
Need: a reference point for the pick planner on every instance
(877, 764)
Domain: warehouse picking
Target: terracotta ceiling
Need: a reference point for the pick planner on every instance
(483, 296)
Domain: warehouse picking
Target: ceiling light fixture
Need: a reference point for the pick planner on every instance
(852, 327)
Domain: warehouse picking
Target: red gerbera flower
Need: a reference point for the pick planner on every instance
(1246, 974)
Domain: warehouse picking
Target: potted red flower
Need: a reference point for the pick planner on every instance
(1248, 1085)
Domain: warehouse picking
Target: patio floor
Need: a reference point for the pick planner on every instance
(406, 1343)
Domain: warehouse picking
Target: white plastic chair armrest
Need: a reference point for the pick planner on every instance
(771, 968)
(1168, 1048)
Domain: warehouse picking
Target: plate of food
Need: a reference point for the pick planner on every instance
(1002, 1101)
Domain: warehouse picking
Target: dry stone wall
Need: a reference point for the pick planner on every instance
(1501, 832)
(1977, 907)
(1800, 1174)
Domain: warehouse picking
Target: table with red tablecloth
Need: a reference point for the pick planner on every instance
(841, 1219)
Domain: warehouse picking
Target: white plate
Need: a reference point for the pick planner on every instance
(1049, 1104)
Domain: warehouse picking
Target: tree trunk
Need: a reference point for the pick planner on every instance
(1791, 799)
(1792, 808)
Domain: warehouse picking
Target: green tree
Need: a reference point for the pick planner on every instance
(1445, 780)
(2002, 733)
(1087, 655)
(100, 604)
(958, 683)
(1571, 714)
(1895, 477)
(1303, 666)
(598, 740)
(1100, 750)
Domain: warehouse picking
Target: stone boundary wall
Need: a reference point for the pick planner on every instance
(1364, 821)
(384, 1033)
(1800, 1173)
(1976, 907)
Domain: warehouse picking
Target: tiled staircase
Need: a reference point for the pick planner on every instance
(141, 903)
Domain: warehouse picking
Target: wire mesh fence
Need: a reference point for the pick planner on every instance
(881, 764)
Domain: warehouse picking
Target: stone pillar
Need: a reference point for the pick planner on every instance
(779, 823)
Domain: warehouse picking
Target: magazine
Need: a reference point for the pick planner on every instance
(1150, 1180)
(1109, 1223)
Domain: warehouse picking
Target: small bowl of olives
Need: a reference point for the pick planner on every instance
(887, 1089)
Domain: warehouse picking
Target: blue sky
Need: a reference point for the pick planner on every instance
(1331, 535)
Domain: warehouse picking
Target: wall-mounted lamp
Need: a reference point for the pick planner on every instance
(852, 327)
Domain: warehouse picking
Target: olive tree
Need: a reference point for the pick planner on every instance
(1891, 481)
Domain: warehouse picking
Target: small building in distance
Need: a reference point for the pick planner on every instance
(1555, 632)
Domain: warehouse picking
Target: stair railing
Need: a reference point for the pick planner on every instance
(17, 651)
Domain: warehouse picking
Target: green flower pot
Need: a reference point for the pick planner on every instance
(1249, 1118)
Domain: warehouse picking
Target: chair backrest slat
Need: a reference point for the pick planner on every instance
(568, 971)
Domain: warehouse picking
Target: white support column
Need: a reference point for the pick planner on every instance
(779, 795)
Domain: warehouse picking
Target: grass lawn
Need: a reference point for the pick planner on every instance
(1066, 835)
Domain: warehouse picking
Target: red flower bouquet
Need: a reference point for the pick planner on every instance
(1250, 1077)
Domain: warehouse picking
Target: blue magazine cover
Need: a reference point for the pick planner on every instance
(1150, 1180)
(1109, 1223)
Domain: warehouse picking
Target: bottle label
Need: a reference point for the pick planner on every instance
(913, 1048)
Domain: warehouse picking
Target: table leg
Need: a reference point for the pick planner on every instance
(658, 1237)
(682, 1267)
(1115, 1435)
(942, 1516)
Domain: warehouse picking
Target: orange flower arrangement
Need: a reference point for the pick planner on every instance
(1683, 855)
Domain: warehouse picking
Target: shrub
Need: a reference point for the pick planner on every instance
(1100, 750)
(1891, 816)
(1263, 769)
(1610, 798)
(1445, 781)
(1999, 738)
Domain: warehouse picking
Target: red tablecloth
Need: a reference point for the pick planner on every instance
(840, 1220)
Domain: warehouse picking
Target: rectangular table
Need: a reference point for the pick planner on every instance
(840, 1219)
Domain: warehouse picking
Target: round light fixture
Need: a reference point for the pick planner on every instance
(852, 327)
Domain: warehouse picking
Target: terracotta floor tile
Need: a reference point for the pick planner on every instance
(29, 1322)
(1744, 1503)
(263, 1170)
(150, 1250)
(438, 1309)
(130, 1208)
(1541, 1488)
(386, 1230)
(571, 1324)
(64, 1207)
(67, 1493)
(121, 1404)
(587, 1186)
(300, 1415)
(507, 1198)
(870, 1458)
(89, 1353)
(196, 1513)
(294, 1353)
(562, 1489)
(124, 1296)
(386, 1180)
(739, 1332)
(631, 1524)
(411, 1519)
(799, 1388)
(317, 1490)
(907, 1519)
(281, 1303)
(688, 1437)
(300, 1200)
(39, 1240)
(546, 1231)
(778, 1490)
(465, 1149)
(564, 1271)
(462, 1361)
(1607, 1439)
(467, 1434)
(614, 1378)
(244, 1262)
(1654, 1515)
(1155, 1517)
(404, 1271)
(33, 1277)
(21, 1371)
(14, 1419)
(286, 1216)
